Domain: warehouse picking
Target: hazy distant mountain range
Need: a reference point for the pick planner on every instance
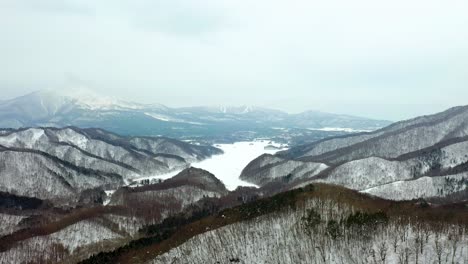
(84, 109)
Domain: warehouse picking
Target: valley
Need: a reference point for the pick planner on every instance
(226, 166)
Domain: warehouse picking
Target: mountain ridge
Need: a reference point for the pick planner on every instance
(62, 162)
(427, 146)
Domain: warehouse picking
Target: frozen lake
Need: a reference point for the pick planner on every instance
(228, 166)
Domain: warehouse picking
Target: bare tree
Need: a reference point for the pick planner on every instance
(372, 254)
(403, 255)
(417, 241)
(395, 243)
(438, 247)
(383, 248)
(454, 238)
(322, 253)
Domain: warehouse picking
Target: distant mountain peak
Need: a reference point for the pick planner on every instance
(85, 98)
(243, 109)
(233, 109)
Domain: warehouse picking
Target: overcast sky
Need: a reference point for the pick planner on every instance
(383, 59)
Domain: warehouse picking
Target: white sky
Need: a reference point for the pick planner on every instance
(382, 59)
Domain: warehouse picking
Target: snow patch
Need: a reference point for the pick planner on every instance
(70, 136)
(169, 119)
(158, 117)
(423, 187)
(340, 129)
(163, 176)
(109, 194)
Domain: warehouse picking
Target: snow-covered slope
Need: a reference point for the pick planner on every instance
(268, 168)
(390, 142)
(81, 238)
(52, 163)
(9, 223)
(45, 177)
(185, 188)
(424, 187)
(324, 231)
(372, 172)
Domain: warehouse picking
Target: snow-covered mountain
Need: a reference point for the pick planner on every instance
(52, 163)
(427, 155)
(86, 109)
